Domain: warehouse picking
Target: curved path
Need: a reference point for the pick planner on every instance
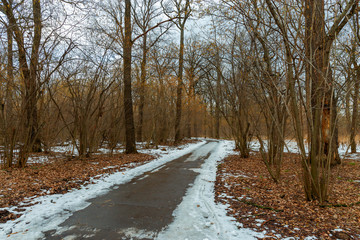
(140, 209)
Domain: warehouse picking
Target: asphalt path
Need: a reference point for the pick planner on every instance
(139, 209)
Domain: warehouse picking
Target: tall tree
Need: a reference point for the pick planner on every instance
(354, 82)
(128, 103)
(29, 72)
(355, 77)
(183, 12)
(144, 18)
(7, 107)
(318, 44)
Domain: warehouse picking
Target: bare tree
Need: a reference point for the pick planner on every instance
(148, 12)
(29, 73)
(128, 102)
(182, 9)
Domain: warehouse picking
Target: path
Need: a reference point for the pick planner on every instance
(139, 209)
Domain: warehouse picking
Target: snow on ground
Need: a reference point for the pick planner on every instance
(291, 147)
(198, 217)
(67, 147)
(70, 149)
(52, 210)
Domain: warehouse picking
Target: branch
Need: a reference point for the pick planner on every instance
(342, 20)
(152, 28)
(340, 205)
(259, 206)
(278, 21)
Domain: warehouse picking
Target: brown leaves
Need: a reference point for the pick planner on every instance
(5, 215)
(59, 176)
(255, 196)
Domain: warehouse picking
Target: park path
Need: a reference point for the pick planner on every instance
(141, 208)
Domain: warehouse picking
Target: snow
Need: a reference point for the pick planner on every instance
(38, 159)
(139, 233)
(52, 210)
(198, 216)
(292, 147)
(69, 149)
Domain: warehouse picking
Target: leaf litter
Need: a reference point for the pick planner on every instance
(280, 210)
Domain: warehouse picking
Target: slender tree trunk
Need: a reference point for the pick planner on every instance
(347, 100)
(218, 92)
(188, 120)
(10, 71)
(7, 114)
(191, 101)
(32, 111)
(179, 88)
(163, 119)
(355, 111)
(83, 134)
(128, 104)
(142, 90)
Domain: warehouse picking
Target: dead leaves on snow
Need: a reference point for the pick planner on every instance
(259, 203)
(57, 177)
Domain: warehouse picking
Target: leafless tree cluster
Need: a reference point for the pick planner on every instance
(94, 73)
(294, 56)
(97, 73)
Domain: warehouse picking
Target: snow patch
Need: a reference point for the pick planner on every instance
(52, 210)
(132, 233)
(198, 216)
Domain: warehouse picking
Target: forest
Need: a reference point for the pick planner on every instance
(102, 74)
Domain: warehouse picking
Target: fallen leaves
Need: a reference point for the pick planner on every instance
(60, 176)
(255, 196)
(5, 215)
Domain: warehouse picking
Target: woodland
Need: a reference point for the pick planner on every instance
(98, 74)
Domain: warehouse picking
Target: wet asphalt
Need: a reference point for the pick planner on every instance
(139, 209)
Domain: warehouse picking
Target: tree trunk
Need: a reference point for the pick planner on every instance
(218, 92)
(323, 129)
(34, 65)
(128, 104)
(355, 111)
(10, 72)
(7, 114)
(188, 118)
(314, 38)
(191, 116)
(142, 89)
(347, 99)
(179, 87)
(32, 140)
(162, 137)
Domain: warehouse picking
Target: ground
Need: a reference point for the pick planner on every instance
(58, 177)
(48, 195)
(55, 172)
(280, 209)
(91, 210)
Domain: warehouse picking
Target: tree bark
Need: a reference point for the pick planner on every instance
(29, 75)
(183, 14)
(142, 89)
(355, 111)
(7, 114)
(128, 104)
(218, 92)
(32, 113)
(323, 149)
(179, 88)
